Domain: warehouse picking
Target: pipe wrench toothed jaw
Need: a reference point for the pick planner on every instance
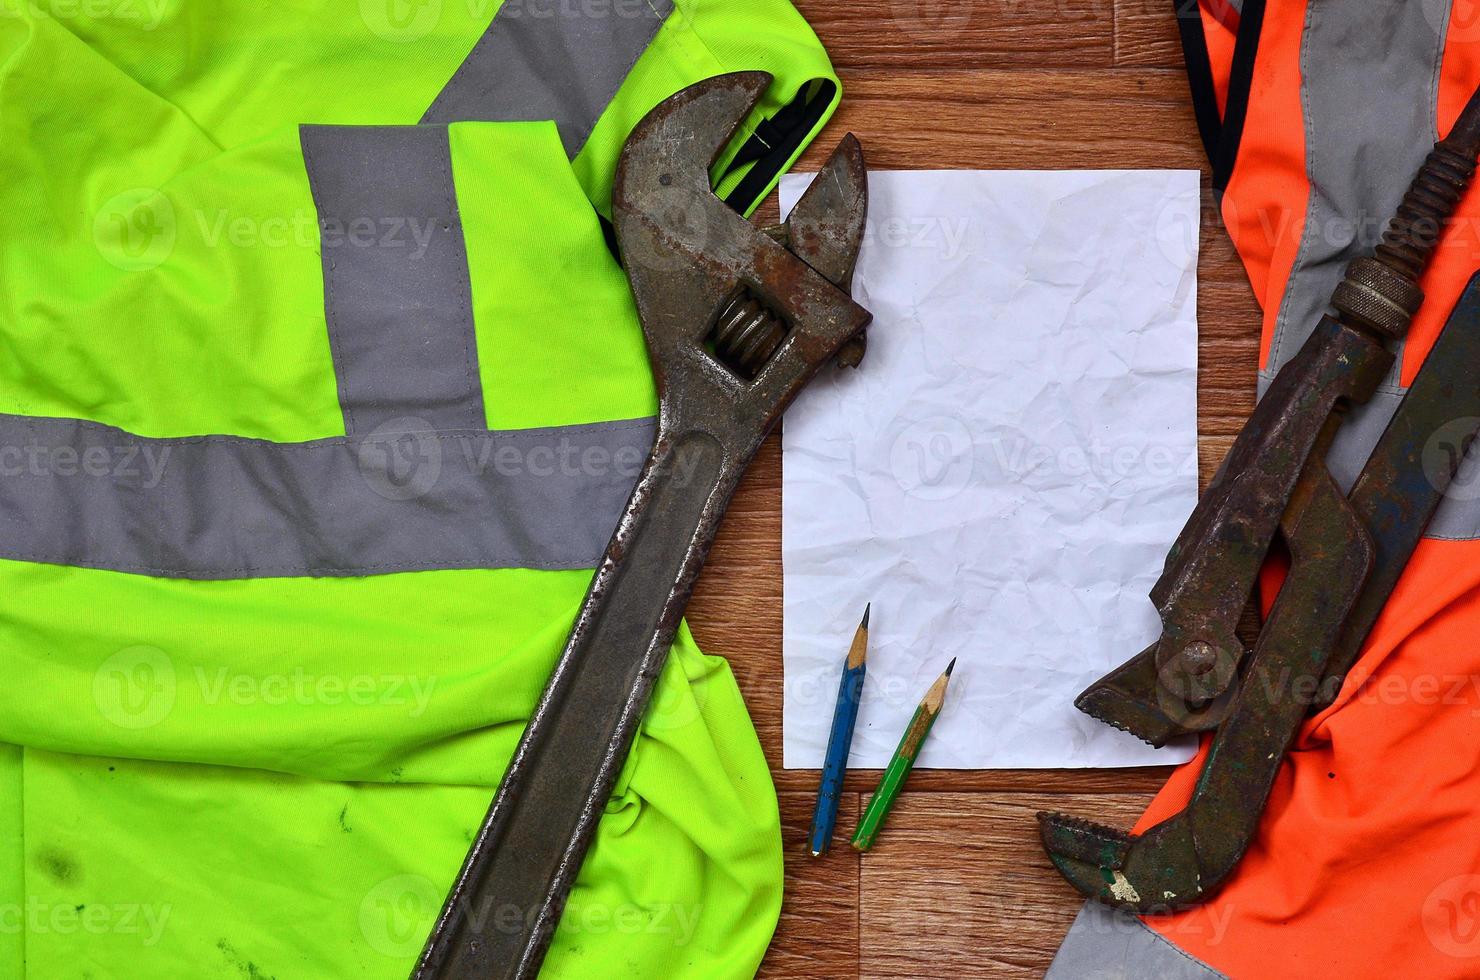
(737, 321)
(1347, 551)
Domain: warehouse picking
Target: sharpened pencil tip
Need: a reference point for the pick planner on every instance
(858, 652)
(952, 667)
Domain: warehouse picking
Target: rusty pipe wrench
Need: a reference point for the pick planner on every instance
(1347, 553)
(1185, 681)
(736, 324)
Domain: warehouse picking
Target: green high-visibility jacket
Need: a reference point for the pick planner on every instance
(320, 393)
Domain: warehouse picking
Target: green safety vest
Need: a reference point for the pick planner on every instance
(320, 394)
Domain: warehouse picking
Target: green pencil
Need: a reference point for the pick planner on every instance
(903, 762)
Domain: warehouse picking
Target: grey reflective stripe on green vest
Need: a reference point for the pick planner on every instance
(551, 59)
(396, 295)
(1363, 143)
(1106, 945)
(403, 498)
(418, 483)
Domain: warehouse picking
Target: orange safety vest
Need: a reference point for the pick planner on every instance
(1316, 114)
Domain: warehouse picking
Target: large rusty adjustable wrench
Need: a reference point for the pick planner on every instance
(737, 321)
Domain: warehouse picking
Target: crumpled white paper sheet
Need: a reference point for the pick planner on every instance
(1003, 476)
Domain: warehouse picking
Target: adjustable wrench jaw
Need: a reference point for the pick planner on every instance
(736, 322)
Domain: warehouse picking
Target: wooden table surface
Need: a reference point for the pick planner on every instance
(962, 888)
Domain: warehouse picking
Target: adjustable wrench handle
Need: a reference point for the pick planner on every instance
(501, 912)
(689, 259)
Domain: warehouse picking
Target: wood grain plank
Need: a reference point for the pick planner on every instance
(958, 886)
(1145, 779)
(1146, 35)
(1025, 119)
(905, 35)
(818, 933)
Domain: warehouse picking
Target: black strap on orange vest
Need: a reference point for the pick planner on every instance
(1220, 131)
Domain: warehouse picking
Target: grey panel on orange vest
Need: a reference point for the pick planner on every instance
(1370, 93)
(403, 498)
(551, 59)
(1107, 945)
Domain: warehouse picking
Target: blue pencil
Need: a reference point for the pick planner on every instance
(850, 690)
